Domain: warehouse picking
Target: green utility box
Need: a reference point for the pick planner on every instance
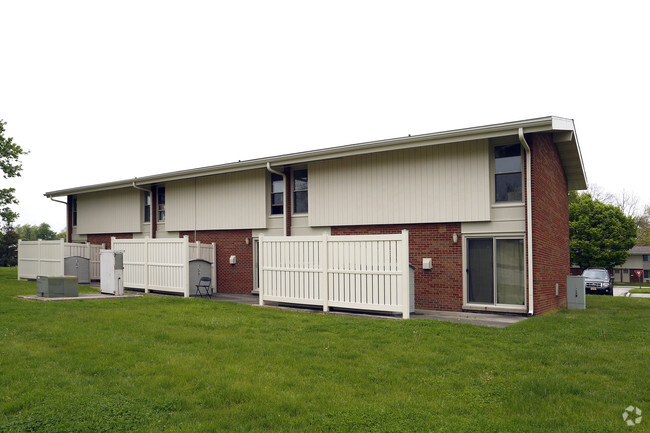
(57, 287)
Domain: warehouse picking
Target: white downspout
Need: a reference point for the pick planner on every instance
(151, 211)
(284, 198)
(529, 220)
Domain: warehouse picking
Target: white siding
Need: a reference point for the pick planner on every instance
(227, 201)
(115, 211)
(443, 183)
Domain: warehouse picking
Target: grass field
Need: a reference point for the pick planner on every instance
(168, 364)
(641, 290)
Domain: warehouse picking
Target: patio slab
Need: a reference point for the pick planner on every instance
(481, 319)
(82, 296)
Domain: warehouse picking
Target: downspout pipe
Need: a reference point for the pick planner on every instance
(58, 201)
(529, 220)
(284, 198)
(68, 229)
(151, 211)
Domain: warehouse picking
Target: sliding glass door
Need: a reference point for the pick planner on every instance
(495, 271)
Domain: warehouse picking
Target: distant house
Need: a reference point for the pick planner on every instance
(639, 260)
(488, 206)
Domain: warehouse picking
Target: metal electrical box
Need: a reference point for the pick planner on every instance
(575, 292)
(111, 267)
(57, 287)
(79, 267)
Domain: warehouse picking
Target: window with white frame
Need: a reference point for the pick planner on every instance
(161, 203)
(74, 211)
(300, 191)
(147, 207)
(277, 194)
(507, 173)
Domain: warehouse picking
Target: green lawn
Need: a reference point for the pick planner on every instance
(641, 290)
(168, 364)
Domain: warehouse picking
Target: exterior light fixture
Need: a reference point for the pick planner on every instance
(455, 237)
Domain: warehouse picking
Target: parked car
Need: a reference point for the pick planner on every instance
(598, 280)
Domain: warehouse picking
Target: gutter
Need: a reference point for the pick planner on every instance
(151, 210)
(284, 198)
(529, 220)
(58, 201)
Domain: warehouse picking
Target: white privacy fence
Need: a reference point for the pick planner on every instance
(47, 257)
(369, 272)
(162, 264)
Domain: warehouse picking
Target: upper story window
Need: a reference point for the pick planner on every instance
(646, 257)
(300, 191)
(161, 203)
(147, 207)
(74, 211)
(507, 173)
(277, 194)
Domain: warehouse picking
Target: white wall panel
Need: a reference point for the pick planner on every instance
(115, 211)
(227, 201)
(443, 183)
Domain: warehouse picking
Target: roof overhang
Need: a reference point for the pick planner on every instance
(563, 131)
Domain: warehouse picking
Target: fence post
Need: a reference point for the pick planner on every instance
(186, 266)
(61, 256)
(260, 263)
(146, 264)
(18, 253)
(38, 267)
(214, 267)
(404, 278)
(324, 281)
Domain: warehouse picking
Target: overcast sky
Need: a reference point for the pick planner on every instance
(103, 91)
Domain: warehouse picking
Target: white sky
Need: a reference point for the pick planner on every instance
(103, 91)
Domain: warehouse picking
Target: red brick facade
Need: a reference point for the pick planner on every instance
(551, 262)
(106, 238)
(440, 288)
(237, 278)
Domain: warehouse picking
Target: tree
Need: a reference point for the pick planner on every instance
(8, 247)
(11, 167)
(600, 234)
(643, 228)
(31, 233)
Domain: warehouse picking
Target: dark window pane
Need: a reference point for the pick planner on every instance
(507, 151)
(507, 159)
(507, 165)
(480, 285)
(276, 199)
(300, 180)
(276, 210)
(300, 202)
(508, 187)
(277, 184)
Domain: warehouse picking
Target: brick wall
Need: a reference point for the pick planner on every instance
(106, 238)
(440, 288)
(551, 262)
(237, 278)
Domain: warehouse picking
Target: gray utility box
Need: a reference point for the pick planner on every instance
(199, 268)
(57, 287)
(575, 292)
(79, 267)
